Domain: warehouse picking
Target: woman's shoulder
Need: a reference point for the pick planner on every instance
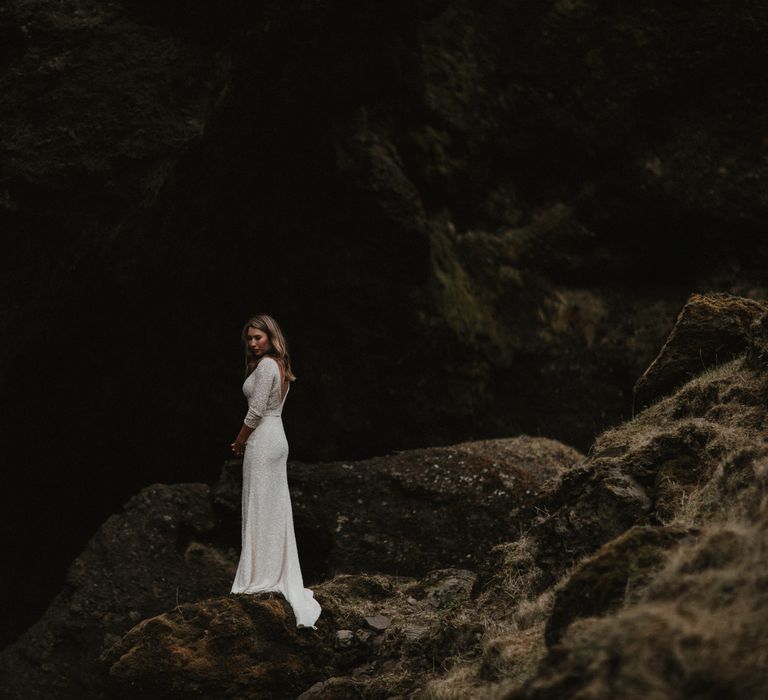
(271, 366)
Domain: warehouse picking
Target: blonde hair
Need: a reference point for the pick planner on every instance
(278, 345)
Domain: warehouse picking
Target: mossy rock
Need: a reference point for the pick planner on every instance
(601, 583)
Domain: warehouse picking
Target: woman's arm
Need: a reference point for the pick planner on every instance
(257, 404)
(238, 446)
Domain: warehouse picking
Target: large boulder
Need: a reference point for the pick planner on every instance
(153, 556)
(643, 472)
(639, 574)
(603, 582)
(710, 329)
(381, 633)
(415, 510)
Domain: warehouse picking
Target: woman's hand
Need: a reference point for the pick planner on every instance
(238, 446)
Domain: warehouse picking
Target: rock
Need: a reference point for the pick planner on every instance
(248, 644)
(694, 632)
(640, 571)
(364, 635)
(411, 526)
(363, 670)
(170, 537)
(644, 472)
(415, 633)
(445, 588)
(313, 691)
(592, 505)
(345, 638)
(378, 622)
(710, 330)
(609, 578)
(148, 559)
(673, 605)
(181, 653)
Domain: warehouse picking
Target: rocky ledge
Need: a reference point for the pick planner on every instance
(175, 546)
(520, 569)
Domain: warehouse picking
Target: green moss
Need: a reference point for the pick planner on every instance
(482, 290)
(467, 305)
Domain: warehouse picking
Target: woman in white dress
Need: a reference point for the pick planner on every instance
(269, 560)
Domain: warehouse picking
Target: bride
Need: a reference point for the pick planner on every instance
(269, 560)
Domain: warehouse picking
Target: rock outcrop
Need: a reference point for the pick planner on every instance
(640, 573)
(664, 598)
(636, 572)
(152, 557)
(174, 549)
(378, 633)
(463, 200)
(710, 329)
(415, 510)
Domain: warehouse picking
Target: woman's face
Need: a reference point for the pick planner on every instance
(258, 341)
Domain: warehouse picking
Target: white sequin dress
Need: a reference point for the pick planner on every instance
(269, 560)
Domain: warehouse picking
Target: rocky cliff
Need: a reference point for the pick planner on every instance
(473, 220)
(636, 571)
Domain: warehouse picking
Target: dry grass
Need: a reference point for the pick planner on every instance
(685, 621)
(513, 643)
(700, 629)
(696, 622)
(507, 659)
(718, 421)
(515, 573)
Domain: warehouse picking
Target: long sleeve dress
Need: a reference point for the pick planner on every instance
(269, 560)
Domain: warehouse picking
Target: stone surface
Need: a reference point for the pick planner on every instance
(246, 643)
(345, 638)
(378, 622)
(698, 631)
(415, 510)
(445, 588)
(671, 606)
(710, 329)
(156, 555)
(607, 580)
(641, 473)
(175, 544)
